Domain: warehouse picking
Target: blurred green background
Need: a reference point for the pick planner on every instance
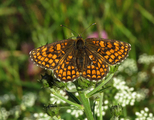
(27, 24)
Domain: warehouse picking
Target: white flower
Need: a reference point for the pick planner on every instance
(75, 112)
(144, 115)
(128, 66)
(146, 59)
(28, 99)
(41, 116)
(142, 76)
(4, 113)
(54, 99)
(152, 69)
(125, 95)
(104, 107)
(6, 98)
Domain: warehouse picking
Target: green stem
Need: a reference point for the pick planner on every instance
(125, 112)
(100, 105)
(100, 85)
(68, 101)
(86, 104)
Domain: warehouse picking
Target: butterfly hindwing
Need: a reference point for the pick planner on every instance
(97, 68)
(67, 71)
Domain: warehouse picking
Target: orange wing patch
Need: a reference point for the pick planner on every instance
(93, 72)
(67, 70)
(49, 56)
(97, 69)
(112, 51)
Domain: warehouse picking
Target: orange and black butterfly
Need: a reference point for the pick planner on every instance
(72, 58)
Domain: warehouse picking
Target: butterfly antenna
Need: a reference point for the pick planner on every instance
(88, 27)
(69, 29)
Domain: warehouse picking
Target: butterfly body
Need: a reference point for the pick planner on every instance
(80, 54)
(72, 58)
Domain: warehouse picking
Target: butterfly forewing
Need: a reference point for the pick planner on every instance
(51, 55)
(112, 51)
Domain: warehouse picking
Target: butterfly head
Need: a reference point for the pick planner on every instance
(79, 36)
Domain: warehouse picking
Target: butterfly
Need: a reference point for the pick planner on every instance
(71, 58)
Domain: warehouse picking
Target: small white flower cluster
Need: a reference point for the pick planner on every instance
(146, 59)
(128, 66)
(144, 115)
(41, 116)
(3, 113)
(28, 100)
(143, 94)
(54, 99)
(152, 70)
(16, 111)
(75, 112)
(142, 76)
(6, 98)
(104, 107)
(71, 87)
(125, 95)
